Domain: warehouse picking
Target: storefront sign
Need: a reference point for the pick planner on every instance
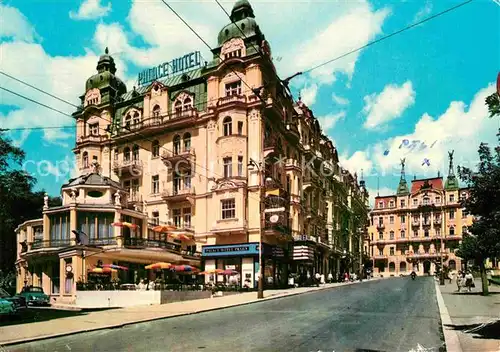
(246, 249)
(181, 64)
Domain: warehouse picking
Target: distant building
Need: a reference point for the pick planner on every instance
(417, 226)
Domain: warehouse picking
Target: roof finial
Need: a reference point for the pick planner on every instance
(106, 51)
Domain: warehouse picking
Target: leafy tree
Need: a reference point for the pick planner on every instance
(493, 102)
(18, 202)
(483, 240)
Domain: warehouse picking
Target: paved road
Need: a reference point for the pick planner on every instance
(386, 315)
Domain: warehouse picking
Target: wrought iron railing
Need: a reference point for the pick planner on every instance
(53, 243)
(149, 243)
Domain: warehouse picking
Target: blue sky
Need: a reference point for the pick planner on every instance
(427, 83)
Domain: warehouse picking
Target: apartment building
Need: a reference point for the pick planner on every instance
(217, 150)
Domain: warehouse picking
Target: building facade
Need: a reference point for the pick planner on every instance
(420, 227)
(222, 152)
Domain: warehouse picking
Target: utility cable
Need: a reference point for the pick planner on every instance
(389, 35)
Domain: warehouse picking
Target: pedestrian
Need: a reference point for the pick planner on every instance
(322, 279)
(318, 278)
(469, 280)
(330, 278)
(459, 280)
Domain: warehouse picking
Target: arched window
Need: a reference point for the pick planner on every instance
(187, 141)
(135, 152)
(137, 120)
(155, 146)
(228, 126)
(403, 234)
(128, 122)
(85, 159)
(156, 111)
(188, 104)
(392, 267)
(177, 144)
(452, 231)
(402, 266)
(126, 154)
(178, 108)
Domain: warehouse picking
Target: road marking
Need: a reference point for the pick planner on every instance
(450, 336)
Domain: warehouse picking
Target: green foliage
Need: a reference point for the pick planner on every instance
(493, 102)
(18, 202)
(483, 239)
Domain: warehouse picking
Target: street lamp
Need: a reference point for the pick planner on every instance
(258, 166)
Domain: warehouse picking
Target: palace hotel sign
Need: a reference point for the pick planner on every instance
(181, 64)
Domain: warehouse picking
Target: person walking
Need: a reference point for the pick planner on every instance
(469, 280)
(330, 278)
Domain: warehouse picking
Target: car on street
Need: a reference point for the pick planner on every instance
(6, 307)
(18, 301)
(35, 296)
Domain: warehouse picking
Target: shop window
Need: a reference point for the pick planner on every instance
(228, 208)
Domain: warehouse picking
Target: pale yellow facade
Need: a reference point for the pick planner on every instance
(418, 230)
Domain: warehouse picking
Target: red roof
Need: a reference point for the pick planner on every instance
(435, 183)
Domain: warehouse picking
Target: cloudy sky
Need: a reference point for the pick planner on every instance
(426, 84)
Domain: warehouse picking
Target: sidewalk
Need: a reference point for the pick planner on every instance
(474, 318)
(112, 318)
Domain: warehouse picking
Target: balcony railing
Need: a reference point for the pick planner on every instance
(91, 139)
(380, 226)
(54, 243)
(186, 155)
(232, 99)
(127, 166)
(437, 221)
(149, 243)
(104, 241)
(176, 194)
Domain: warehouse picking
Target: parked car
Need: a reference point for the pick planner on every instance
(18, 301)
(6, 307)
(35, 296)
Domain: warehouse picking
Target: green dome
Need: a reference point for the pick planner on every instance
(105, 75)
(242, 16)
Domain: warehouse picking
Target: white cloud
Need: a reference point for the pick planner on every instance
(362, 24)
(390, 104)
(14, 25)
(90, 9)
(423, 12)
(308, 94)
(460, 128)
(358, 163)
(340, 100)
(329, 121)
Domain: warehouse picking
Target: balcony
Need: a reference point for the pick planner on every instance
(178, 194)
(380, 226)
(427, 255)
(175, 159)
(128, 167)
(148, 243)
(134, 198)
(380, 257)
(104, 241)
(293, 130)
(231, 101)
(292, 164)
(426, 223)
(437, 221)
(51, 244)
(271, 147)
(415, 223)
(91, 139)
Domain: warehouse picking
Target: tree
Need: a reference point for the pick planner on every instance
(18, 202)
(493, 103)
(483, 238)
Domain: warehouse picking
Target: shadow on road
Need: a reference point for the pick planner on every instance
(35, 315)
(474, 293)
(490, 330)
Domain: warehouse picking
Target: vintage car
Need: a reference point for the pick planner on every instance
(6, 307)
(18, 301)
(35, 296)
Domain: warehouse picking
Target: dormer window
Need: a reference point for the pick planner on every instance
(94, 129)
(233, 88)
(128, 122)
(136, 119)
(156, 111)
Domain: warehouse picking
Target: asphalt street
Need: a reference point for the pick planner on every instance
(393, 315)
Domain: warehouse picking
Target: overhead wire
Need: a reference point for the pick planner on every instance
(389, 35)
(209, 47)
(128, 140)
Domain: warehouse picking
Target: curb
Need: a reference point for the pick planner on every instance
(117, 326)
(450, 336)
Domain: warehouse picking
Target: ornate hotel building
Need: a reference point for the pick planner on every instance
(417, 227)
(221, 152)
